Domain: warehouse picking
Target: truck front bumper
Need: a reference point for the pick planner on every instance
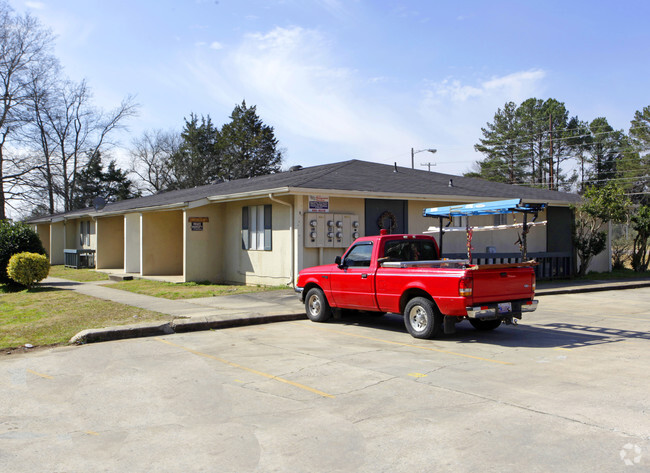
(502, 309)
(299, 291)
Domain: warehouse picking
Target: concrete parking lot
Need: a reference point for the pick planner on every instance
(566, 390)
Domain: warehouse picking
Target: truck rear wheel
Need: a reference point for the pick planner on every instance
(422, 318)
(316, 306)
(485, 325)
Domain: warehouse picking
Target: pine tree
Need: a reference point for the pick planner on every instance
(92, 182)
(247, 146)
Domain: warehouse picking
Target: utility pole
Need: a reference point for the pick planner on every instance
(428, 165)
(413, 153)
(550, 174)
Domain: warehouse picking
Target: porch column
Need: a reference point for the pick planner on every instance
(132, 241)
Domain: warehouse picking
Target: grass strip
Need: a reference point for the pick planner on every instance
(188, 290)
(80, 275)
(46, 316)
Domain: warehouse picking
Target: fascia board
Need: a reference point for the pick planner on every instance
(417, 197)
(162, 208)
(248, 195)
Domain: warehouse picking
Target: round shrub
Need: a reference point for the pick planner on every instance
(16, 238)
(28, 268)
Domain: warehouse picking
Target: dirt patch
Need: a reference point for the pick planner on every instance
(24, 350)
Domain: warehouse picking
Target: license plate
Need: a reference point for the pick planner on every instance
(505, 307)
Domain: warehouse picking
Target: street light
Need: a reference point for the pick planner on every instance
(413, 153)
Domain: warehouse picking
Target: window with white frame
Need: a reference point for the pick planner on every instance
(84, 233)
(256, 227)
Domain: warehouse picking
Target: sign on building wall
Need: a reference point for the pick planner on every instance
(319, 203)
(196, 223)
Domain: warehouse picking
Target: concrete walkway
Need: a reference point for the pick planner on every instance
(188, 314)
(246, 309)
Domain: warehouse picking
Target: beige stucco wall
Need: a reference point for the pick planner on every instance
(73, 234)
(162, 243)
(204, 249)
(257, 266)
(43, 232)
(110, 243)
(337, 205)
(57, 241)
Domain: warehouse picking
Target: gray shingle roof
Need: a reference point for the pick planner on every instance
(352, 176)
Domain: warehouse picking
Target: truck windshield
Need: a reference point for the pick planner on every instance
(410, 250)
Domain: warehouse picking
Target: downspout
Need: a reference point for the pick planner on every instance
(273, 199)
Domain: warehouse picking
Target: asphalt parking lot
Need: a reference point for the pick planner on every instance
(566, 390)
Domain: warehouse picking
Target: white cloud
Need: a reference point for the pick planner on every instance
(325, 112)
(291, 75)
(455, 111)
(35, 5)
(216, 45)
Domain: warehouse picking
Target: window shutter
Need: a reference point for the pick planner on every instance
(244, 228)
(267, 228)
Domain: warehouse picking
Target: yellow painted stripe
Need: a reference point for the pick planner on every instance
(91, 432)
(39, 374)
(418, 375)
(420, 347)
(250, 370)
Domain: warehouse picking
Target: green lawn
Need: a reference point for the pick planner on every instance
(81, 275)
(46, 316)
(189, 290)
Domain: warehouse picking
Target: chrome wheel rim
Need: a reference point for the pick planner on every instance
(314, 305)
(418, 318)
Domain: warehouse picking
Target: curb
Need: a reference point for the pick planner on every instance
(599, 288)
(181, 325)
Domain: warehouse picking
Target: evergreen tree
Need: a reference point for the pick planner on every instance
(500, 144)
(92, 182)
(606, 151)
(197, 162)
(248, 147)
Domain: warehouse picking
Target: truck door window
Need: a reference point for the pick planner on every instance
(360, 255)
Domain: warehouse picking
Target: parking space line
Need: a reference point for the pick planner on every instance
(490, 360)
(40, 374)
(250, 370)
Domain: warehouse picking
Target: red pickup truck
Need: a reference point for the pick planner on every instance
(404, 274)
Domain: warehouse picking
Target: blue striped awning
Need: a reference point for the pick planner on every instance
(483, 208)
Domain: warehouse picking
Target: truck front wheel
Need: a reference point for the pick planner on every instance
(422, 318)
(316, 306)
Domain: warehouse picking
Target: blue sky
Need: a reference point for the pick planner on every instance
(356, 79)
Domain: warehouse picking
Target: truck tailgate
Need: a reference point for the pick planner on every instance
(490, 284)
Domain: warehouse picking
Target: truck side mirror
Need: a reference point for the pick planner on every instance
(337, 261)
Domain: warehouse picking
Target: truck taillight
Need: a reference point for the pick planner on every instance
(534, 283)
(465, 286)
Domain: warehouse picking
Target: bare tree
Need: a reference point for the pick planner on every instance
(24, 53)
(66, 131)
(150, 155)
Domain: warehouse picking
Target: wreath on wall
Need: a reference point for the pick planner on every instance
(392, 221)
